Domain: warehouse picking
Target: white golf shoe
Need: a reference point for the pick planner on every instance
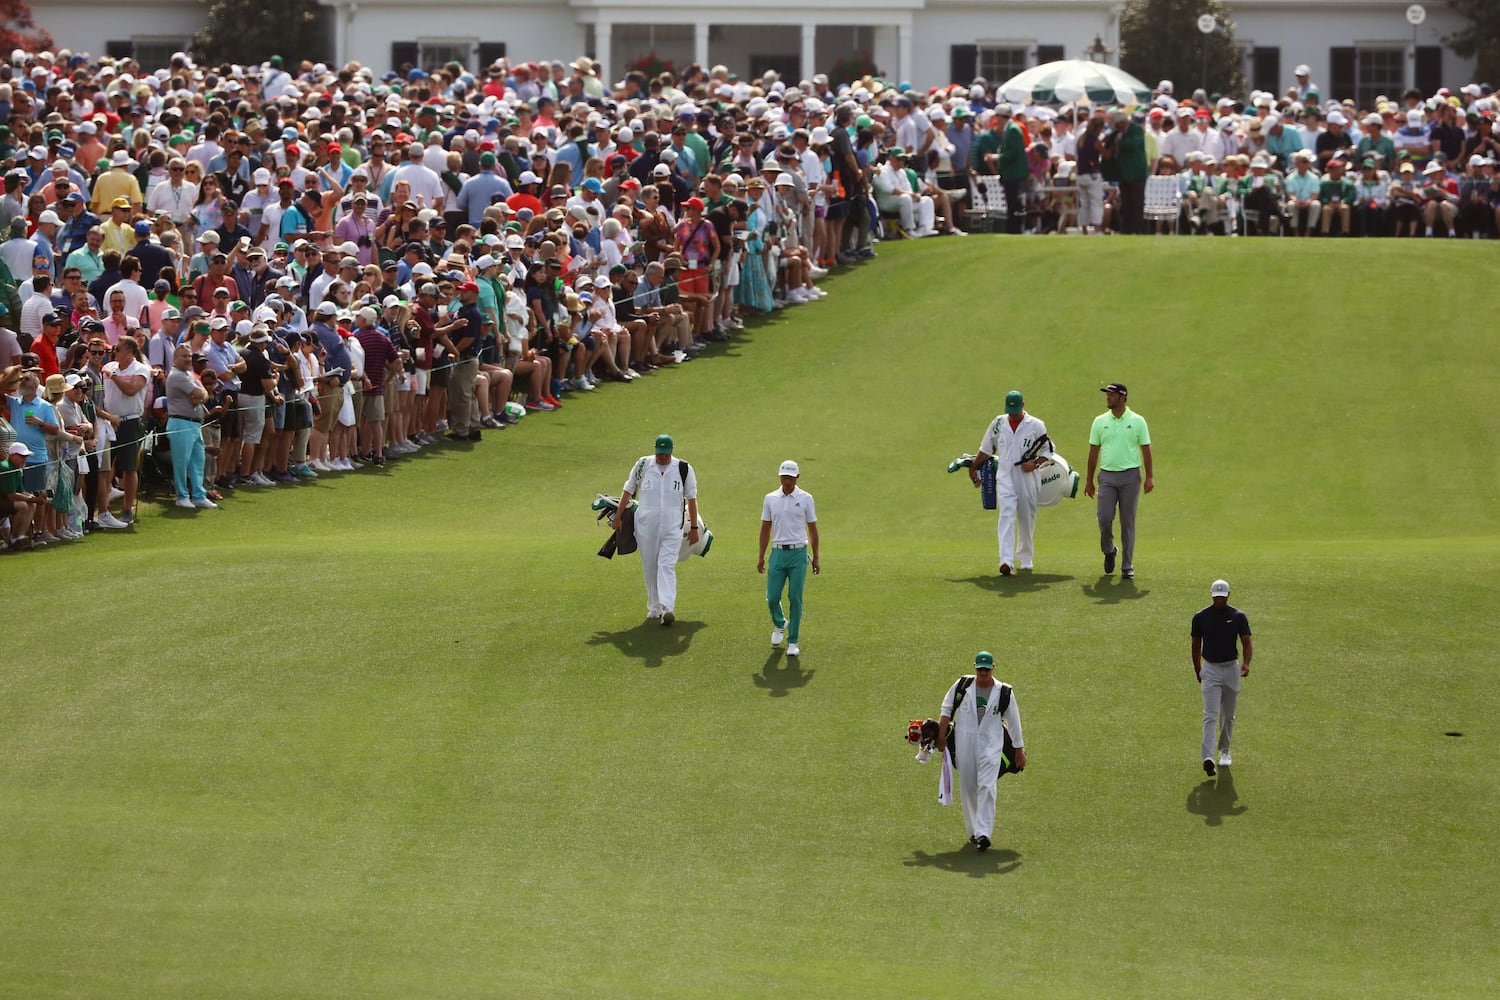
(793, 650)
(777, 635)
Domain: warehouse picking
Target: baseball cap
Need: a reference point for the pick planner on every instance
(1220, 588)
(143, 228)
(664, 444)
(17, 448)
(327, 307)
(1116, 387)
(1014, 402)
(789, 468)
(984, 660)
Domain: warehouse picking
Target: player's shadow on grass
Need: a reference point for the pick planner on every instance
(968, 861)
(781, 674)
(1113, 590)
(1017, 583)
(1213, 799)
(649, 641)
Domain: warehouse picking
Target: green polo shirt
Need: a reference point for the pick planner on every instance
(1119, 439)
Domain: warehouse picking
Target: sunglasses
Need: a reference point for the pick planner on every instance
(97, 353)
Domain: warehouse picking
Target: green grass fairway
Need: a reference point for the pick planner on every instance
(404, 735)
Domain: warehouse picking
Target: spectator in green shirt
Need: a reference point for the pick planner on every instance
(1337, 196)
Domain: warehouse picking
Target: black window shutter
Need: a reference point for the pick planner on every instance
(120, 50)
(404, 56)
(1344, 82)
(1265, 68)
(1048, 53)
(490, 53)
(963, 63)
(1429, 68)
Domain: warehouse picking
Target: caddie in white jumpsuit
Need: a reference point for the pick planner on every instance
(978, 744)
(661, 486)
(1016, 482)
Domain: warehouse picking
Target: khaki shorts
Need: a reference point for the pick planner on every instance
(330, 399)
(372, 407)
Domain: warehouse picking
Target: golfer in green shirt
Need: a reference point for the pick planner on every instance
(1119, 443)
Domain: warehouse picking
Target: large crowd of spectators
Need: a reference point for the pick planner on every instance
(247, 277)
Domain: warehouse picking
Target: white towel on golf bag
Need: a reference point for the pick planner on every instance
(945, 780)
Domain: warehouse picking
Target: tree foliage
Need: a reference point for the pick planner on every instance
(1159, 40)
(251, 31)
(1481, 39)
(18, 30)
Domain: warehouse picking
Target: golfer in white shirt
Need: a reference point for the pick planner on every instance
(788, 521)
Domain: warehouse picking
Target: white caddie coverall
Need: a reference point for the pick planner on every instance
(661, 496)
(977, 743)
(1015, 491)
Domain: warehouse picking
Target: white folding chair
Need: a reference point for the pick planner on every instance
(1163, 201)
(994, 198)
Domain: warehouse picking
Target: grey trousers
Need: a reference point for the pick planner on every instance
(1122, 489)
(1221, 690)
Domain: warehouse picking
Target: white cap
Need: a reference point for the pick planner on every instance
(1301, 70)
(789, 468)
(17, 448)
(484, 262)
(261, 176)
(1220, 588)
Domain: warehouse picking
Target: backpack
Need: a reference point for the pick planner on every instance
(1008, 756)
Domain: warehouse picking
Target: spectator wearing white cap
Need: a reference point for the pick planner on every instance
(1440, 196)
(1182, 139)
(1334, 140)
(1306, 91)
(1303, 191)
(1414, 139)
(253, 205)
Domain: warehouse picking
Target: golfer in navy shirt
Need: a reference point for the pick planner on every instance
(1217, 629)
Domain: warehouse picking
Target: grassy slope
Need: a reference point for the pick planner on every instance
(324, 786)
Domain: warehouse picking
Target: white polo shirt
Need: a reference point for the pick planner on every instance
(789, 514)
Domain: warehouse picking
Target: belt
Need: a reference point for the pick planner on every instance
(196, 420)
(788, 547)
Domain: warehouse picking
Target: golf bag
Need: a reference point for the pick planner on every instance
(1058, 481)
(987, 494)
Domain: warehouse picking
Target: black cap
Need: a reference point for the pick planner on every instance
(52, 319)
(1116, 387)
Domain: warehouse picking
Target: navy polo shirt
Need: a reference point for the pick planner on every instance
(1220, 628)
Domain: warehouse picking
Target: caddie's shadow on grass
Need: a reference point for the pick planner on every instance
(1113, 590)
(1016, 583)
(968, 861)
(782, 674)
(1215, 798)
(650, 641)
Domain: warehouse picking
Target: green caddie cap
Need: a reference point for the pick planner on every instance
(664, 444)
(1013, 402)
(984, 660)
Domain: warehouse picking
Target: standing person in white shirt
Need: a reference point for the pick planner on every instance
(125, 397)
(1009, 437)
(661, 488)
(788, 522)
(176, 197)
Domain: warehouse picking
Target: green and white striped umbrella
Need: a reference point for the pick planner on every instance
(1069, 80)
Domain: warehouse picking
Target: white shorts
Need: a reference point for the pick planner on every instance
(417, 381)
